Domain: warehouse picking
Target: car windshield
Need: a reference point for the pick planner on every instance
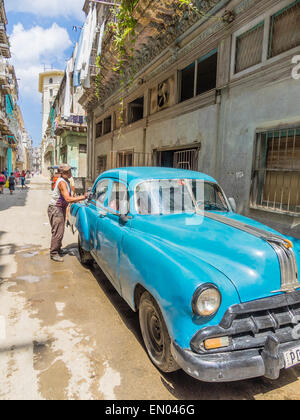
(173, 196)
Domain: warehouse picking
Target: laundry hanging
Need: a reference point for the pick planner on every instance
(99, 49)
(81, 48)
(68, 93)
(68, 97)
(87, 51)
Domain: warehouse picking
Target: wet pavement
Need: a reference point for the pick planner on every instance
(65, 333)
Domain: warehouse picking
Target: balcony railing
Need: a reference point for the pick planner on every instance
(74, 122)
(77, 119)
(5, 50)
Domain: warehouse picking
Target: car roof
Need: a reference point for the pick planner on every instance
(131, 174)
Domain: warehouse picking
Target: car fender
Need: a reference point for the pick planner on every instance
(171, 276)
(79, 211)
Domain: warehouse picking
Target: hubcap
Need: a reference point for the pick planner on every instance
(154, 336)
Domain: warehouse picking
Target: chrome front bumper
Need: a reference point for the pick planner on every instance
(237, 365)
(260, 332)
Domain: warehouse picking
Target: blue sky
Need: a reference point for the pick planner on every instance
(41, 34)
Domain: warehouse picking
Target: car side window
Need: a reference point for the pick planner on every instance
(101, 191)
(119, 197)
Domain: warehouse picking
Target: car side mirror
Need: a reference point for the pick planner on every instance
(124, 210)
(232, 203)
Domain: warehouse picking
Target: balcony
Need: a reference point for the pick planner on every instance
(75, 123)
(3, 73)
(49, 143)
(4, 123)
(5, 50)
(3, 34)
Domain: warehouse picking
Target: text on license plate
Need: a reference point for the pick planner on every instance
(292, 357)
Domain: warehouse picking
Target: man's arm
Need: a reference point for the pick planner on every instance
(65, 193)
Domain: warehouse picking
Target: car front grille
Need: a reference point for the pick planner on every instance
(248, 325)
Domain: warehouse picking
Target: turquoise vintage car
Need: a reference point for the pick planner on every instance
(218, 294)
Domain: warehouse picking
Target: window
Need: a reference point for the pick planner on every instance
(50, 81)
(200, 76)
(130, 158)
(124, 159)
(285, 29)
(249, 48)
(101, 164)
(136, 110)
(174, 196)
(181, 159)
(119, 198)
(63, 154)
(186, 159)
(207, 72)
(107, 125)
(82, 148)
(51, 93)
(276, 174)
(187, 82)
(101, 191)
(99, 126)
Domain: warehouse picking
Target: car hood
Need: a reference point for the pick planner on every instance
(248, 261)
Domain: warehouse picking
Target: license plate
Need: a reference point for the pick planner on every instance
(292, 357)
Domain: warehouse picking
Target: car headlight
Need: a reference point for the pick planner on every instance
(206, 300)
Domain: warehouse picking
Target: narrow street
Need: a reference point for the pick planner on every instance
(66, 334)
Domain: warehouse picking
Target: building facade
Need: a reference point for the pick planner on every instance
(36, 160)
(12, 147)
(49, 83)
(67, 125)
(65, 138)
(215, 91)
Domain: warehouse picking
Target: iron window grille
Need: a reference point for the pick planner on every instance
(119, 159)
(249, 48)
(276, 171)
(101, 164)
(107, 125)
(285, 30)
(136, 110)
(186, 159)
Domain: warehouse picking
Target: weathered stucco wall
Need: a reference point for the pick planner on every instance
(129, 140)
(245, 109)
(198, 127)
(75, 158)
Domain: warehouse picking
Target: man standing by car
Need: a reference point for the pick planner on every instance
(61, 198)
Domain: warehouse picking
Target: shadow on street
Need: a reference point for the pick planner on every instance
(17, 199)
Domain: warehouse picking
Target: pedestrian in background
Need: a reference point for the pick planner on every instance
(2, 181)
(61, 198)
(17, 177)
(11, 183)
(23, 179)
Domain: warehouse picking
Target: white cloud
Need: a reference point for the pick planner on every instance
(47, 8)
(32, 49)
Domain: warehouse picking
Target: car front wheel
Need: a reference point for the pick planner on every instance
(155, 334)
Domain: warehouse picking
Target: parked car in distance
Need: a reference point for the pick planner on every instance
(217, 293)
